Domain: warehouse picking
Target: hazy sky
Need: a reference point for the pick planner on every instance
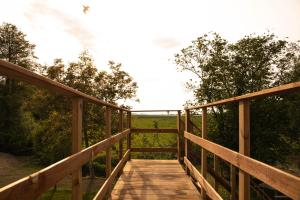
(144, 35)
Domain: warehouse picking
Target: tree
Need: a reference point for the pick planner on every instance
(14, 47)
(15, 125)
(224, 70)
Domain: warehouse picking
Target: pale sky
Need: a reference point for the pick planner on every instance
(144, 35)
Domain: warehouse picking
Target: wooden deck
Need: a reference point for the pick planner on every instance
(154, 179)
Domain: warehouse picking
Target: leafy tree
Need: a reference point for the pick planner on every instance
(15, 125)
(225, 69)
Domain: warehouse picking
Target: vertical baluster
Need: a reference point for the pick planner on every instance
(244, 147)
(129, 135)
(203, 151)
(232, 182)
(76, 146)
(178, 135)
(108, 134)
(186, 143)
(121, 140)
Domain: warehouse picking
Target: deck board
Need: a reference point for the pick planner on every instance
(154, 179)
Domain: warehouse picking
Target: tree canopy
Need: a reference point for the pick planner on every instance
(255, 62)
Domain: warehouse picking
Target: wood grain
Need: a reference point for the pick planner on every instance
(32, 186)
(76, 146)
(205, 186)
(278, 179)
(154, 179)
(109, 181)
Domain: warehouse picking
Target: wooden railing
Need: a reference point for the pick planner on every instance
(176, 131)
(286, 183)
(34, 185)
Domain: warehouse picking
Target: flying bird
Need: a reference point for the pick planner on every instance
(85, 8)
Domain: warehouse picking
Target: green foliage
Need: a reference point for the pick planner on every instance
(36, 121)
(253, 63)
(15, 123)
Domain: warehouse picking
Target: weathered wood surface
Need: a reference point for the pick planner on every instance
(286, 183)
(154, 179)
(32, 186)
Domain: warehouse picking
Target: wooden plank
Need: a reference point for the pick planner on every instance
(186, 142)
(154, 179)
(154, 130)
(143, 161)
(178, 135)
(32, 186)
(209, 190)
(155, 197)
(119, 192)
(108, 183)
(154, 149)
(107, 135)
(76, 146)
(203, 151)
(20, 73)
(291, 87)
(244, 147)
(278, 179)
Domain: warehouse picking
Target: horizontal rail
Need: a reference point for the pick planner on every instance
(154, 130)
(278, 179)
(154, 149)
(271, 91)
(210, 191)
(107, 184)
(32, 186)
(155, 110)
(15, 71)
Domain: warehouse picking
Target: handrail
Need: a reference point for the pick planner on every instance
(15, 71)
(32, 186)
(278, 179)
(271, 91)
(284, 182)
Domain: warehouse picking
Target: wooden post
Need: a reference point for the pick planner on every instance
(76, 146)
(186, 142)
(232, 182)
(203, 151)
(121, 124)
(108, 134)
(217, 171)
(178, 135)
(121, 129)
(129, 135)
(244, 147)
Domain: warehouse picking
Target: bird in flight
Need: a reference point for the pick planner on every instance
(85, 8)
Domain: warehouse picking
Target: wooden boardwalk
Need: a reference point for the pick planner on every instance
(154, 179)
